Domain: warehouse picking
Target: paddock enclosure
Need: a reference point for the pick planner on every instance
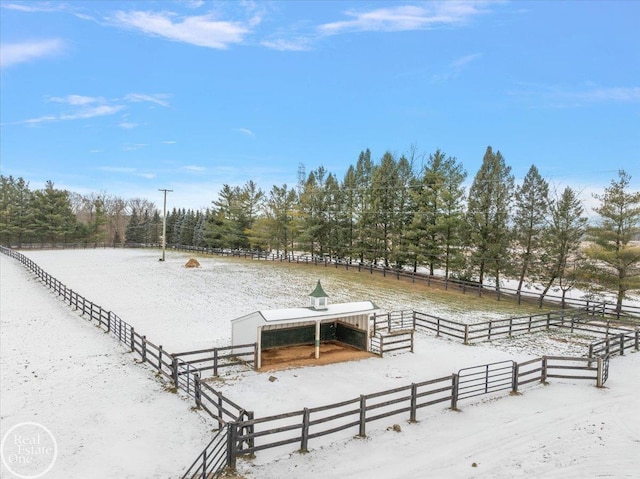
(307, 335)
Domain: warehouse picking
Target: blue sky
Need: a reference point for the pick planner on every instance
(129, 97)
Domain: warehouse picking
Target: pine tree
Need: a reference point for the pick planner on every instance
(615, 260)
(132, 231)
(488, 216)
(53, 219)
(364, 218)
(313, 213)
(530, 218)
(561, 243)
(16, 211)
(349, 214)
(383, 211)
(437, 224)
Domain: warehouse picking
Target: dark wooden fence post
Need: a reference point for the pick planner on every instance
(414, 402)
(362, 432)
(220, 407)
(514, 379)
(600, 373)
(543, 373)
(250, 429)
(196, 384)
(466, 334)
(174, 372)
(621, 344)
(144, 349)
(215, 362)
(305, 430)
(108, 320)
(232, 444)
(455, 382)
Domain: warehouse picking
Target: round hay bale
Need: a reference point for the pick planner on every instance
(192, 263)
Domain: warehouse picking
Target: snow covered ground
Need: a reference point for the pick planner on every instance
(112, 417)
(186, 309)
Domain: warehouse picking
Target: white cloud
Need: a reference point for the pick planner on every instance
(204, 30)
(247, 132)
(84, 107)
(576, 97)
(33, 7)
(610, 94)
(295, 45)
(406, 17)
(194, 3)
(195, 169)
(158, 99)
(77, 99)
(14, 53)
(101, 110)
(133, 147)
(465, 60)
(170, 142)
(455, 68)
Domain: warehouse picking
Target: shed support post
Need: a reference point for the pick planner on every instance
(259, 349)
(317, 339)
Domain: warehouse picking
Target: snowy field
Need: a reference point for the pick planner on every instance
(186, 309)
(112, 417)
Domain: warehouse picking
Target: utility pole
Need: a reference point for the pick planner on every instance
(164, 223)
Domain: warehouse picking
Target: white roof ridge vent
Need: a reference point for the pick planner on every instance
(319, 299)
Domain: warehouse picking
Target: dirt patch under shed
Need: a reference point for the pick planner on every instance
(304, 355)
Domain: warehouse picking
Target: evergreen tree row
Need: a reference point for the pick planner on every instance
(407, 212)
(399, 214)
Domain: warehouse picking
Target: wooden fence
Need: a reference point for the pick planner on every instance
(352, 416)
(185, 376)
(215, 359)
(616, 344)
(627, 312)
(240, 433)
(630, 312)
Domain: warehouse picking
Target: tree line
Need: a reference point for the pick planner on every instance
(408, 212)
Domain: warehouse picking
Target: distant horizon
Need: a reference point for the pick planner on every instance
(128, 98)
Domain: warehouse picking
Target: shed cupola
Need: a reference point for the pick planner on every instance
(319, 299)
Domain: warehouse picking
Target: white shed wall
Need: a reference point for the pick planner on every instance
(245, 330)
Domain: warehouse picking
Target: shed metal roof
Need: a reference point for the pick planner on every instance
(299, 315)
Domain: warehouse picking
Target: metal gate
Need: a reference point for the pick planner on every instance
(486, 379)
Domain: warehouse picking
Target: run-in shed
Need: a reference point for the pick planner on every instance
(320, 321)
